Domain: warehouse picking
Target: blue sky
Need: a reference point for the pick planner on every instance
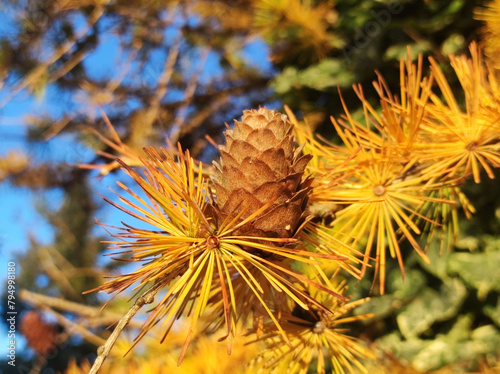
(18, 215)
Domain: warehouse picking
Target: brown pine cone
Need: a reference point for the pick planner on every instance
(260, 165)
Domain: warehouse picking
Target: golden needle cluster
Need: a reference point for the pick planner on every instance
(265, 238)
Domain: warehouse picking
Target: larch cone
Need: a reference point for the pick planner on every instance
(260, 166)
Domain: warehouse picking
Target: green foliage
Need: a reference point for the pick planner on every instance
(443, 313)
(493, 311)
(460, 344)
(327, 74)
(429, 307)
(477, 270)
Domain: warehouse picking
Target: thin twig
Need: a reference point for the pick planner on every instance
(31, 77)
(56, 274)
(40, 362)
(94, 315)
(103, 351)
(73, 328)
(57, 303)
(168, 71)
(190, 90)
